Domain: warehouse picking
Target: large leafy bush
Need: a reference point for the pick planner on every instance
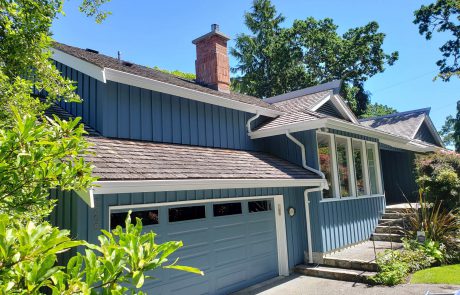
(438, 174)
(120, 263)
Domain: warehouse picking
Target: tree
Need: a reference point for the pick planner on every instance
(274, 60)
(377, 110)
(447, 131)
(457, 129)
(443, 16)
(177, 73)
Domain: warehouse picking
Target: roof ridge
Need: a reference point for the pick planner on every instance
(423, 110)
(328, 86)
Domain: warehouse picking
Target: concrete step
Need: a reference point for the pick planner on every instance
(387, 222)
(350, 264)
(392, 229)
(392, 215)
(386, 237)
(334, 273)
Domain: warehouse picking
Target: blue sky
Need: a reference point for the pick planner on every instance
(159, 33)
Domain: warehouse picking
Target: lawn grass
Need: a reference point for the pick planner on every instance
(449, 274)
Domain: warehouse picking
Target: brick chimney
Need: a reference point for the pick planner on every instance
(211, 64)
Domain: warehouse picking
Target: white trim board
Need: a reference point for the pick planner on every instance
(79, 65)
(108, 74)
(138, 186)
(280, 221)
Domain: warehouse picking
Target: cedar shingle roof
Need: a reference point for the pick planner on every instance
(134, 160)
(291, 117)
(306, 102)
(104, 61)
(117, 159)
(402, 124)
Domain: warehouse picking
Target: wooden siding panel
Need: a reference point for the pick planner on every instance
(346, 221)
(135, 126)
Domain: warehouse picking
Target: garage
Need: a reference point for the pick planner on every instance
(236, 242)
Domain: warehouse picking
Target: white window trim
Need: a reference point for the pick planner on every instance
(334, 172)
(280, 221)
(351, 170)
(365, 167)
(377, 165)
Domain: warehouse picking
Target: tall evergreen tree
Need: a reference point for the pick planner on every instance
(457, 129)
(274, 59)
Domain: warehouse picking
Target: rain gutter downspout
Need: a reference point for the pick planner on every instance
(308, 190)
(248, 124)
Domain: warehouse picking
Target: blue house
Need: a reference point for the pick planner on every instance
(252, 187)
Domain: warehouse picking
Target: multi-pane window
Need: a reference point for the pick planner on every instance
(371, 162)
(351, 166)
(343, 166)
(358, 161)
(325, 154)
(148, 217)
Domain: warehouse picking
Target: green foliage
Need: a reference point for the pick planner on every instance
(277, 59)
(395, 265)
(92, 8)
(376, 110)
(442, 16)
(177, 73)
(447, 131)
(121, 262)
(439, 176)
(37, 156)
(456, 128)
(441, 227)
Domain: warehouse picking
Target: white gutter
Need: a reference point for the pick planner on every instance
(324, 185)
(248, 124)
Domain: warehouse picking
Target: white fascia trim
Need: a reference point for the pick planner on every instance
(86, 196)
(321, 102)
(138, 186)
(151, 84)
(79, 65)
(339, 103)
(294, 127)
(433, 130)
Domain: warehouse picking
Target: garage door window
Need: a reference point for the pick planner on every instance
(259, 206)
(227, 209)
(148, 217)
(186, 213)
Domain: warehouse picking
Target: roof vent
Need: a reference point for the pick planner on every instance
(92, 50)
(127, 63)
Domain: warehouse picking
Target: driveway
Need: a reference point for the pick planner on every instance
(299, 285)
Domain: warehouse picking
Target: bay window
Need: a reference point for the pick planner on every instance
(351, 166)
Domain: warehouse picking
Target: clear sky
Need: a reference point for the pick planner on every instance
(159, 33)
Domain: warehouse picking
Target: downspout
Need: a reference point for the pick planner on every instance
(248, 124)
(308, 190)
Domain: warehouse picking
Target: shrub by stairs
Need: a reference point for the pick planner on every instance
(388, 231)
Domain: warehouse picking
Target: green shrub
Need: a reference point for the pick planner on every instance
(439, 175)
(441, 226)
(120, 263)
(395, 266)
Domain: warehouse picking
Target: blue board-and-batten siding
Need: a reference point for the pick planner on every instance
(343, 222)
(122, 111)
(334, 224)
(89, 222)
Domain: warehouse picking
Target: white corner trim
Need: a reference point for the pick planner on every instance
(79, 64)
(281, 237)
(138, 186)
(280, 220)
(151, 84)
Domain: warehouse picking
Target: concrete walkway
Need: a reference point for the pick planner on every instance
(364, 251)
(300, 285)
